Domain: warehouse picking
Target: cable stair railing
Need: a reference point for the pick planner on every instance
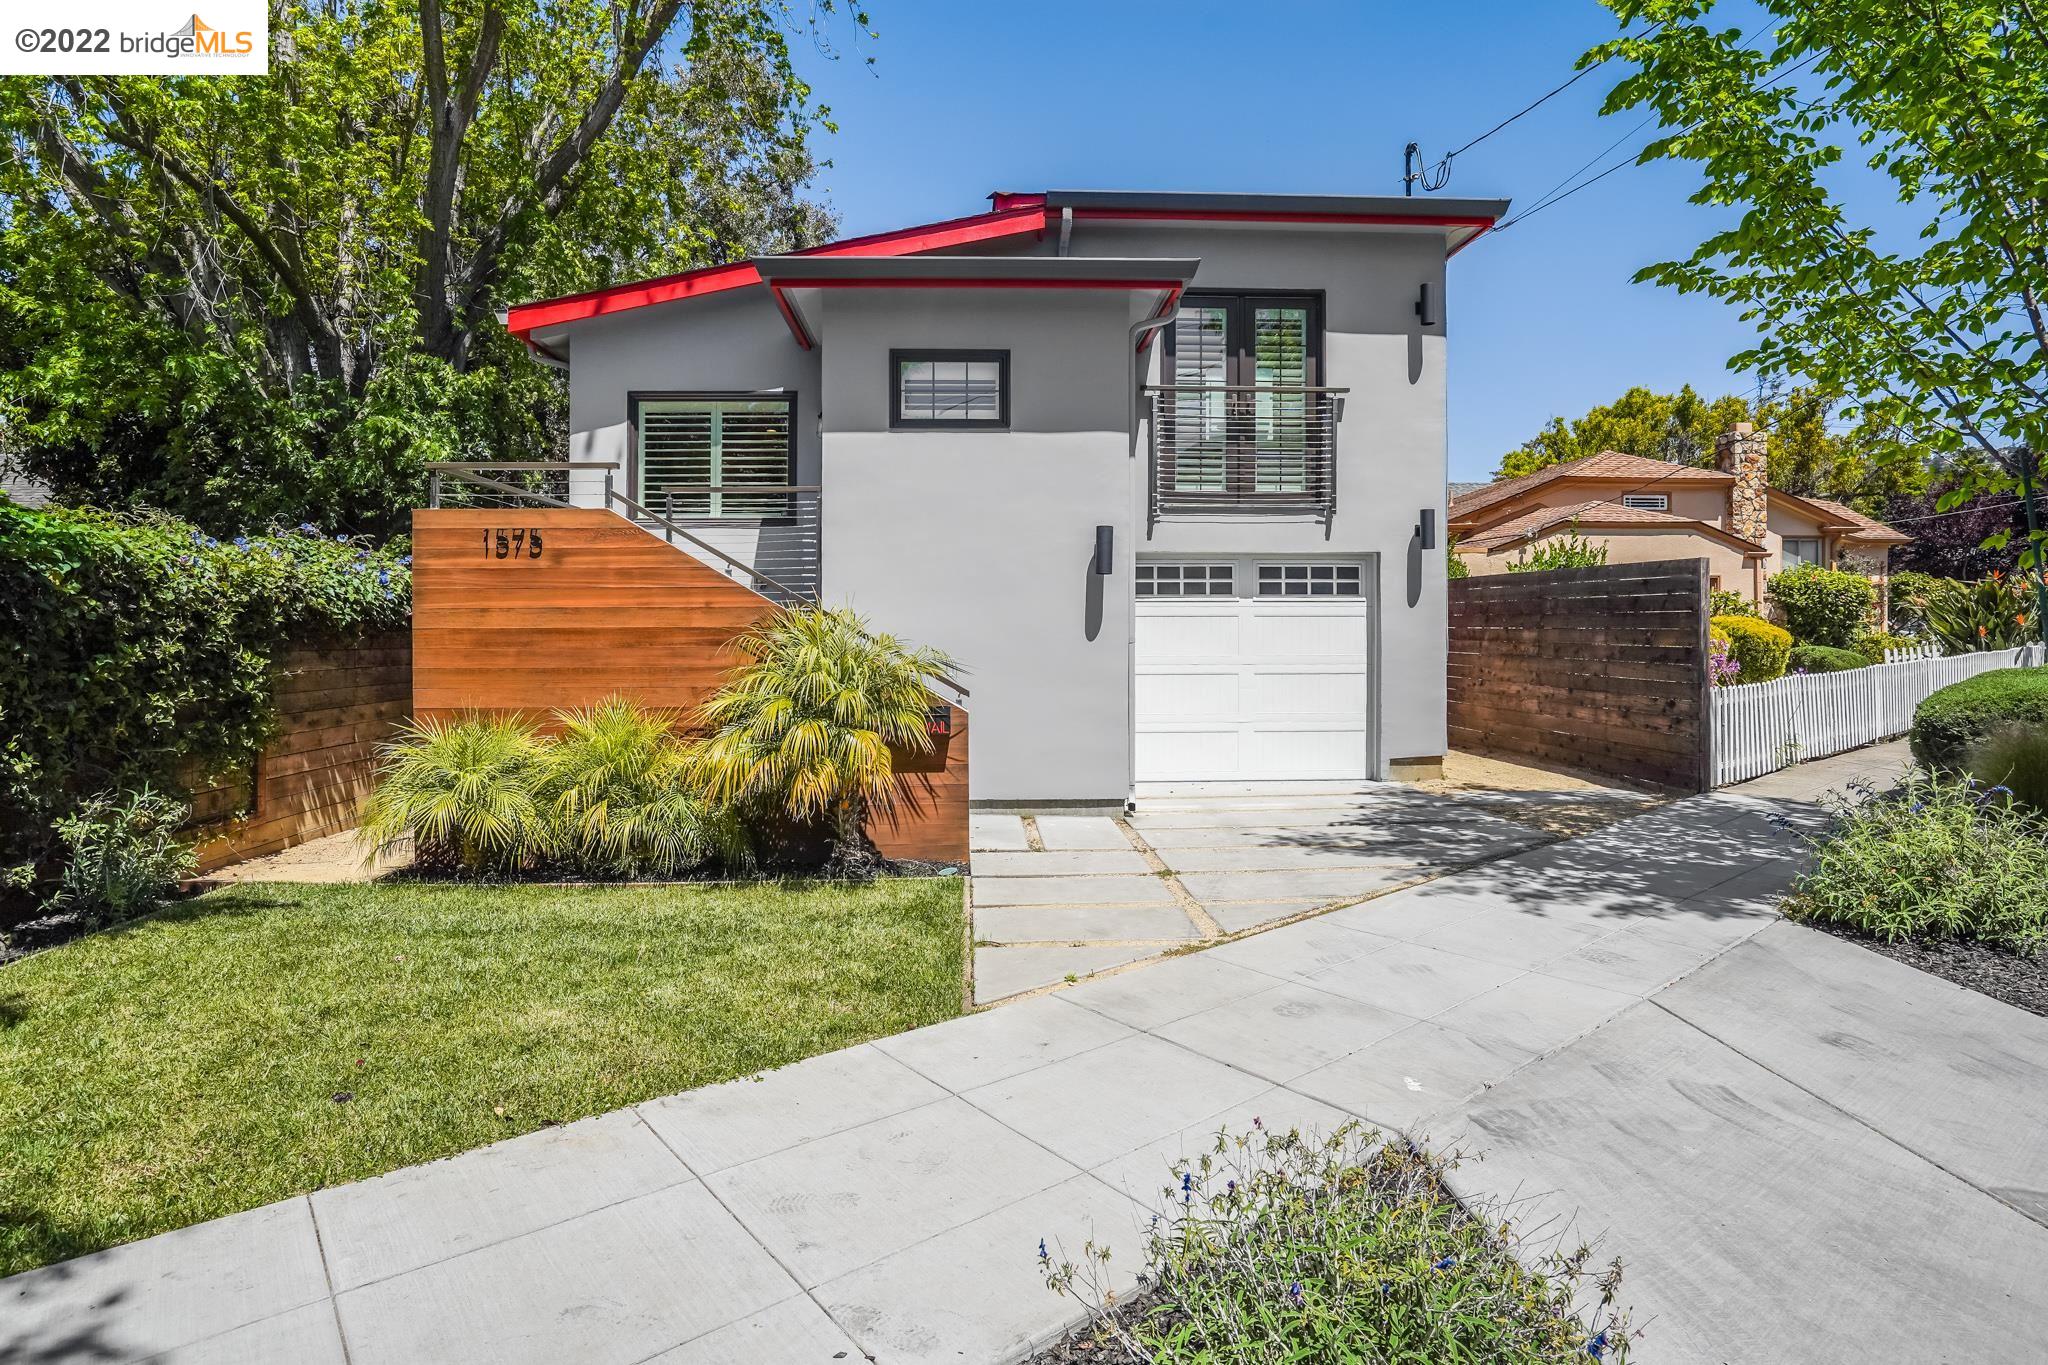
(545, 483)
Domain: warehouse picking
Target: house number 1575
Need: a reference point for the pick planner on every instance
(515, 542)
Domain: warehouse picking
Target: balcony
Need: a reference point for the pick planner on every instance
(1244, 449)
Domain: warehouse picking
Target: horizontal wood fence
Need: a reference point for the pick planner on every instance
(1602, 670)
(569, 606)
(1761, 727)
(335, 705)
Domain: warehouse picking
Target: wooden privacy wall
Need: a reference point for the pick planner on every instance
(335, 705)
(604, 609)
(1603, 670)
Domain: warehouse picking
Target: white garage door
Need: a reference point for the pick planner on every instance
(1253, 671)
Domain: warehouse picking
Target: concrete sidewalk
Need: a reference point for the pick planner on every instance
(889, 1199)
(1803, 1150)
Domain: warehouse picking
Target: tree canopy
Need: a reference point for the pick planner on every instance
(242, 298)
(1934, 330)
(1808, 454)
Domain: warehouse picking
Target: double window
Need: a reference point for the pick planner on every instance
(1801, 550)
(1240, 367)
(949, 390)
(714, 455)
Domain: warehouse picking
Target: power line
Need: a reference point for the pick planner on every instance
(1554, 197)
(1435, 177)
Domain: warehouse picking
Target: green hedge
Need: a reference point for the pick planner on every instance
(138, 651)
(1759, 648)
(1954, 721)
(1821, 659)
(1823, 606)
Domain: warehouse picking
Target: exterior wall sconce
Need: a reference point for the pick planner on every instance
(1425, 306)
(1105, 549)
(1425, 529)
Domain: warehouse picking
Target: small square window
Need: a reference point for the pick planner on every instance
(1310, 580)
(1185, 580)
(957, 390)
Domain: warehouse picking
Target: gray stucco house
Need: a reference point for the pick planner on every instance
(1166, 472)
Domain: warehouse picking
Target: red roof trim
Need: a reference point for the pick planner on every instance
(1013, 215)
(980, 227)
(1254, 216)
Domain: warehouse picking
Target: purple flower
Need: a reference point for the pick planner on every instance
(1597, 1347)
(241, 542)
(1445, 1264)
(341, 540)
(384, 577)
(1294, 1292)
(405, 559)
(1041, 1250)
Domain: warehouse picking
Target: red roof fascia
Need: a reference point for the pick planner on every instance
(1249, 216)
(980, 227)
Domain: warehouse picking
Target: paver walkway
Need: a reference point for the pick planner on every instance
(1804, 1151)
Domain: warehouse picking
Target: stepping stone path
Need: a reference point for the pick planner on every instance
(1058, 896)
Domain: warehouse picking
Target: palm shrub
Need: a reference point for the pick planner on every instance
(1992, 613)
(1823, 606)
(806, 724)
(617, 797)
(469, 793)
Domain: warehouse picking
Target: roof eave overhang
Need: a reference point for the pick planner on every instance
(791, 278)
(524, 319)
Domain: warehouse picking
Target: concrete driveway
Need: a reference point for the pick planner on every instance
(1060, 897)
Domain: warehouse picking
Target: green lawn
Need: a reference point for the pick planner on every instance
(196, 1064)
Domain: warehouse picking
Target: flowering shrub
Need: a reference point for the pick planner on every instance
(139, 653)
(1991, 613)
(1722, 668)
(1941, 857)
(1274, 1247)
(1760, 649)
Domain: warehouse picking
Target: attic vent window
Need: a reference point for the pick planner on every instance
(1647, 502)
(951, 390)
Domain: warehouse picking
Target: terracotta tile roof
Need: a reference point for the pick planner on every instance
(1867, 528)
(1608, 464)
(1595, 515)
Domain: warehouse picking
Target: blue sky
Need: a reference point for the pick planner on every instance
(968, 97)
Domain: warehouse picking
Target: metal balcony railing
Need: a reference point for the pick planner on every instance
(1244, 449)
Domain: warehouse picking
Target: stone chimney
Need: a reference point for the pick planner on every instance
(1740, 451)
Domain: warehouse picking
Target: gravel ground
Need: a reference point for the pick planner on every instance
(2018, 981)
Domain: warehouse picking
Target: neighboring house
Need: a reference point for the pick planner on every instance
(1643, 510)
(18, 487)
(1153, 467)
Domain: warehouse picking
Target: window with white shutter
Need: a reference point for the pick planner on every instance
(699, 456)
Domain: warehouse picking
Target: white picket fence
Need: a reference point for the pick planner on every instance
(1761, 727)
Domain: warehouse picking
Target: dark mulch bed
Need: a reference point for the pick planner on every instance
(2019, 981)
(1080, 1347)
